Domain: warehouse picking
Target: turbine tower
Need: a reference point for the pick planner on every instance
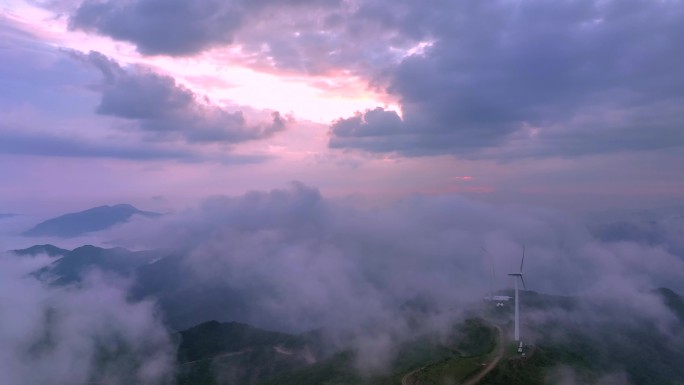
(517, 301)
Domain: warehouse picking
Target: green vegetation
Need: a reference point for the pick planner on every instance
(213, 338)
(449, 371)
(239, 354)
(476, 337)
(235, 353)
(337, 370)
(474, 346)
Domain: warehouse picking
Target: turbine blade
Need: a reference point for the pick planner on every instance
(491, 270)
(523, 281)
(523, 259)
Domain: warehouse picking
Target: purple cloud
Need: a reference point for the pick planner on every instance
(166, 110)
(566, 79)
(176, 27)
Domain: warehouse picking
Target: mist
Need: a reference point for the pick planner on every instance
(84, 334)
(366, 277)
(296, 261)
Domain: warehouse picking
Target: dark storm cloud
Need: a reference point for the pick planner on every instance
(26, 142)
(513, 78)
(167, 110)
(16, 142)
(306, 36)
(175, 27)
(569, 78)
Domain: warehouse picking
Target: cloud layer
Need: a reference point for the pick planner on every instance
(78, 335)
(500, 79)
(293, 260)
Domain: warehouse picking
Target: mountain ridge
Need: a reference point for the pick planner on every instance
(91, 220)
(50, 250)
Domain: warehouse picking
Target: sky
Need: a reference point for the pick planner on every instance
(574, 104)
(474, 124)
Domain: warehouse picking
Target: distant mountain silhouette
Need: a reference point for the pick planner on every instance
(158, 274)
(74, 264)
(7, 215)
(52, 251)
(95, 219)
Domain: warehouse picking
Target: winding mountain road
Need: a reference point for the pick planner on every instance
(497, 357)
(498, 354)
(405, 379)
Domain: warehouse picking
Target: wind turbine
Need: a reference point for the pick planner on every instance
(491, 275)
(499, 299)
(517, 301)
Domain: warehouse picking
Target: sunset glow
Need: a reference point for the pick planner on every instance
(334, 96)
(219, 75)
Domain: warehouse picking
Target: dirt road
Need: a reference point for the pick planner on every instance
(500, 345)
(404, 380)
(498, 354)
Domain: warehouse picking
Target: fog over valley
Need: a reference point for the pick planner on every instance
(341, 192)
(295, 261)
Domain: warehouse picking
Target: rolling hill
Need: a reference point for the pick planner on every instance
(233, 353)
(628, 352)
(236, 353)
